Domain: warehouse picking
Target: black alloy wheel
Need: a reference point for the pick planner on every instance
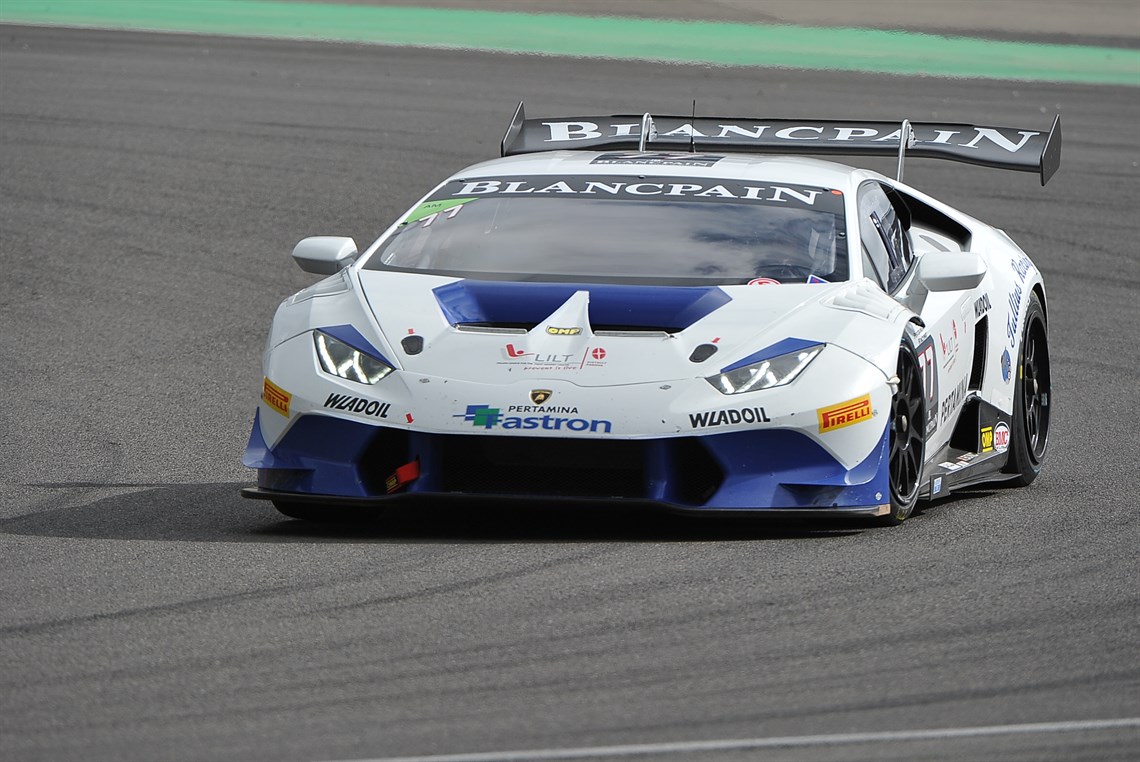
(1032, 399)
(907, 438)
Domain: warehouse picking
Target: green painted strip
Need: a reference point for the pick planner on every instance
(621, 38)
(428, 208)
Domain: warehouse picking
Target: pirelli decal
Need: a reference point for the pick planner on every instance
(276, 397)
(844, 414)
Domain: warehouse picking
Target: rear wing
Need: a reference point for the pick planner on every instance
(999, 147)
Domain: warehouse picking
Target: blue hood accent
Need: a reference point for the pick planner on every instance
(670, 308)
(767, 353)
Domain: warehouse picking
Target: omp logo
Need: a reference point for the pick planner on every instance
(276, 397)
(556, 331)
(844, 414)
(988, 439)
(484, 416)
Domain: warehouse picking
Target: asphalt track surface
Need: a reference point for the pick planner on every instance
(151, 187)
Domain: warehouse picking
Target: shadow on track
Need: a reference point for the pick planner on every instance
(217, 513)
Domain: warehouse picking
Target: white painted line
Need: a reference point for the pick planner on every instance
(837, 739)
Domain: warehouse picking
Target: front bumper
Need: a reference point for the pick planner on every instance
(326, 459)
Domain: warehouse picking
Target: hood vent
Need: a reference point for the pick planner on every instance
(516, 308)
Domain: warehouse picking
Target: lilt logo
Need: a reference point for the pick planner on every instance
(590, 357)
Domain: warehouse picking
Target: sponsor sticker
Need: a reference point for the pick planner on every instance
(688, 188)
(987, 439)
(590, 357)
(816, 279)
(487, 417)
(981, 305)
(538, 396)
(936, 485)
(554, 330)
(951, 465)
(954, 400)
(949, 345)
(728, 417)
(350, 404)
(763, 282)
(276, 397)
(1006, 366)
(564, 409)
(844, 414)
(1001, 437)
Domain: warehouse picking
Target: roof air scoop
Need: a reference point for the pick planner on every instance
(569, 321)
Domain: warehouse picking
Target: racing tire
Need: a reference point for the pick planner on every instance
(907, 450)
(1032, 399)
(322, 514)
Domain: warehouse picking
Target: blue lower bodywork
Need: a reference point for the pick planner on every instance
(742, 470)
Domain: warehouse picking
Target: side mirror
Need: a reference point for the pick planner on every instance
(950, 270)
(325, 254)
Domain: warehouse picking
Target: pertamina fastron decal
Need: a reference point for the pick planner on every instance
(487, 417)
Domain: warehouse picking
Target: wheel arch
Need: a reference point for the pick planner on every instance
(1039, 289)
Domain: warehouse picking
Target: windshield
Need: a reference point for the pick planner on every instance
(623, 229)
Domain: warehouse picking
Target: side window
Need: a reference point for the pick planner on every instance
(885, 242)
(872, 202)
(871, 270)
(900, 238)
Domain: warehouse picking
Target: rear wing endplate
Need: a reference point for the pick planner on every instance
(998, 147)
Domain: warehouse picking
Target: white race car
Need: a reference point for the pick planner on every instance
(668, 310)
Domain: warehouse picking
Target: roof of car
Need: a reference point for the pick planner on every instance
(789, 169)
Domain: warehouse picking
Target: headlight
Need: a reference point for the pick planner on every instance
(775, 371)
(343, 361)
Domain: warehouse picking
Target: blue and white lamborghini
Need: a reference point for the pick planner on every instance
(672, 311)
